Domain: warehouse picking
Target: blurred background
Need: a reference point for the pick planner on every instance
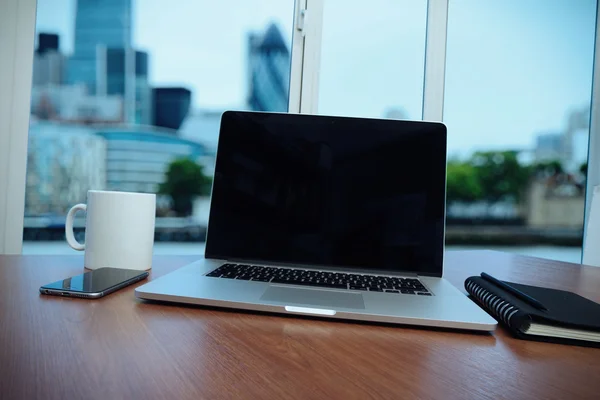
(128, 94)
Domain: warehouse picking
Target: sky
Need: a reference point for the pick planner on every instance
(515, 68)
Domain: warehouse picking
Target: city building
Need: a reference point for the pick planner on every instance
(53, 99)
(72, 103)
(549, 147)
(66, 160)
(63, 163)
(48, 42)
(203, 126)
(171, 106)
(137, 157)
(48, 63)
(555, 207)
(124, 72)
(268, 71)
(105, 23)
(577, 134)
(570, 146)
(104, 61)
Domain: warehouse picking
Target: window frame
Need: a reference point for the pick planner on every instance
(593, 172)
(17, 37)
(434, 81)
(306, 46)
(17, 31)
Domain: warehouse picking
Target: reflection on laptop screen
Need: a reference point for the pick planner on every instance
(318, 190)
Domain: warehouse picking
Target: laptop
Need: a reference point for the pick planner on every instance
(328, 217)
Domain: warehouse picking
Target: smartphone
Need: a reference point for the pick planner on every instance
(94, 284)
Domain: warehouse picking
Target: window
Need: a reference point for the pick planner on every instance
(372, 59)
(517, 99)
(517, 104)
(123, 88)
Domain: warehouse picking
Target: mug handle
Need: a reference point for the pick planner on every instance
(69, 227)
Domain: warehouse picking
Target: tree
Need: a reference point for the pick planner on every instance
(500, 175)
(549, 168)
(462, 182)
(184, 180)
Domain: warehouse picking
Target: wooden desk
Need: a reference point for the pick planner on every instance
(122, 348)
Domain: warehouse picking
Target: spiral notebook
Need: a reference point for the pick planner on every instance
(569, 318)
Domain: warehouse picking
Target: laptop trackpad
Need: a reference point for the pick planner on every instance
(314, 297)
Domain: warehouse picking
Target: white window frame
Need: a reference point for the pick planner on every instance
(306, 56)
(434, 81)
(308, 28)
(17, 30)
(593, 173)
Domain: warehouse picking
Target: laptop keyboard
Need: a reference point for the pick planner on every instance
(335, 280)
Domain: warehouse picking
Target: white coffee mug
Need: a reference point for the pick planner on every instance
(119, 229)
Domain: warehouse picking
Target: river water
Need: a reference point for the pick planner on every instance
(561, 253)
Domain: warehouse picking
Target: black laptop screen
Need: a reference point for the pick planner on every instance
(346, 192)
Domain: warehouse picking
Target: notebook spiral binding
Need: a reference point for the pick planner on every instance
(501, 309)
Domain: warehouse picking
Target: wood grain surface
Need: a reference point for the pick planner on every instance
(119, 347)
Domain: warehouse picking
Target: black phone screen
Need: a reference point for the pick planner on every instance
(95, 281)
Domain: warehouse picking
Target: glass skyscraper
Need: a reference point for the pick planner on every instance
(269, 71)
(114, 78)
(105, 23)
(171, 106)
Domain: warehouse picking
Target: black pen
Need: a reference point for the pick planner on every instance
(526, 298)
